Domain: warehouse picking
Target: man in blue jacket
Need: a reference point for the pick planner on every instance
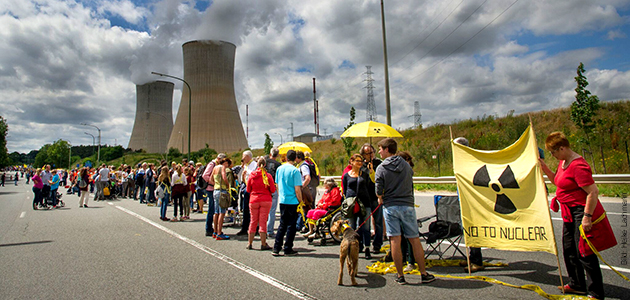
(394, 189)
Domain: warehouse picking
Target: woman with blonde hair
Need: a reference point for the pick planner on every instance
(221, 184)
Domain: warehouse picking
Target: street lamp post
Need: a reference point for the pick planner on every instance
(189, 106)
(93, 141)
(281, 141)
(98, 156)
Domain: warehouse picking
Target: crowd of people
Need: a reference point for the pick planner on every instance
(259, 186)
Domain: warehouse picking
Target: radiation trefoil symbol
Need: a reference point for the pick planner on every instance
(503, 204)
(377, 130)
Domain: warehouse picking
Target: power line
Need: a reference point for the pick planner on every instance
(446, 37)
(460, 46)
(432, 31)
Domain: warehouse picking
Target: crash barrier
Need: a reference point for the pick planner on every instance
(599, 179)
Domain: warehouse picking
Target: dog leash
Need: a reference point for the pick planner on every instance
(369, 216)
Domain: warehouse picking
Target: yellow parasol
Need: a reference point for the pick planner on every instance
(371, 129)
(293, 146)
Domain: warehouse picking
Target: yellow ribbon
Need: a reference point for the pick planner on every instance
(264, 176)
(384, 268)
(595, 250)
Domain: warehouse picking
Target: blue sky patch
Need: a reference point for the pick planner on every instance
(347, 64)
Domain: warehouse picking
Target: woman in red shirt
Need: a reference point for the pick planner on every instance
(578, 197)
(331, 198)
(260, 186)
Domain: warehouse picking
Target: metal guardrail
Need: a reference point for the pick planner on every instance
(599, 179)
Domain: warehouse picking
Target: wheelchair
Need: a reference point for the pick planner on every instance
(323, 225)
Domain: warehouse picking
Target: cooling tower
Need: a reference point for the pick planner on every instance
(209, 69)
(154, 117)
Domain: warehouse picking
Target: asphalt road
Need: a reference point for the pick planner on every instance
(119, 249)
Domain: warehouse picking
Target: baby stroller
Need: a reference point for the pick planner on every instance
(323, 225)
(47, 203)
(232, 216)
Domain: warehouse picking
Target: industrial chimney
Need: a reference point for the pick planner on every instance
(154, 117)
(209, 69)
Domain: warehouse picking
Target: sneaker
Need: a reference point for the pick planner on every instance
(222, 237)
(401, 280)
(174, 219)
(570, 290)
(85, 205)
(210, 234)
(182, 219)
(409, 268)
(265, 248)
(214, 235)
(290, 252)
(276, 253)
(427, 278)
(249, 247)
(376, 250)
(242, 232)
(367, 253)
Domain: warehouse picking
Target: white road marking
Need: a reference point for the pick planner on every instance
(616, 268)
(264, 277)
(110, 203)
(22, 214)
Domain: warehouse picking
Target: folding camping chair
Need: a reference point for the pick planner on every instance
(446, 230)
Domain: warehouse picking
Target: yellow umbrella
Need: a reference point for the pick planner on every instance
(371, 129)
(293, 146)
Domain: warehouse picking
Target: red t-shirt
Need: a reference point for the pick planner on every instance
(571, 180)
(257, 189)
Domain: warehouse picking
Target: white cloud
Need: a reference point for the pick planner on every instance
(62, 63)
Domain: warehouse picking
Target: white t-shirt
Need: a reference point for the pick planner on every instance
(104, 174)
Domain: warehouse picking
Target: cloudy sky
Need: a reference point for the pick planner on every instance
(67, 62)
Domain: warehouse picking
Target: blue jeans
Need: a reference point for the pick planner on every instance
(272, 213)
(288, 218)
(210, 217)
(53, 196)
(165, 200)
(364, 231)
(217, 195)
(378, 228)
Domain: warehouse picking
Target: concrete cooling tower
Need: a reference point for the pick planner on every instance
(154, 117)
(209, 69)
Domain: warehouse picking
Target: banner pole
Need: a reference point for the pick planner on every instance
(560, 273)
(451, 130)
(468, 260)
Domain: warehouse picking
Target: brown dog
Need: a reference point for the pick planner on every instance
(349, 249)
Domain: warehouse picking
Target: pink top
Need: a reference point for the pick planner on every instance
(37, 181)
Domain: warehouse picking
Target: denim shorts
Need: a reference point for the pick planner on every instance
(216, 194)
(399, 218)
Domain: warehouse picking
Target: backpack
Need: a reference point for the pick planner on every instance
(139, 177)
(313, 170)
(82, 183)
(201, 183)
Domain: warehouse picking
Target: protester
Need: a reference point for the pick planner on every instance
(356, 185)
(46, 176)
(272, 164)
(289, 196)
(199, 190)
(207, 175)
(37, 191)
(164, 191)
(330, 199)
(260, 186)
(248, 165)
(188, 198)
(179, 188)
(149, 183)
(305, 172)
(83, 179)
(370, 163)
(139, 191)
(54, 186)
(221, 184)
(394, 189)
(578, 197)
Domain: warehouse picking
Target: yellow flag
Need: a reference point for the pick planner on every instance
(503, 197)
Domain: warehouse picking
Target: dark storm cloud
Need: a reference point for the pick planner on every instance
(61, 110)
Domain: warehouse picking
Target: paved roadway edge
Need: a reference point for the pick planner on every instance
(264, 277)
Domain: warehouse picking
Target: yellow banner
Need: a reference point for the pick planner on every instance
(503, 198)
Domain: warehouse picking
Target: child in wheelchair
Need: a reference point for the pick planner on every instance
(327, 204)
